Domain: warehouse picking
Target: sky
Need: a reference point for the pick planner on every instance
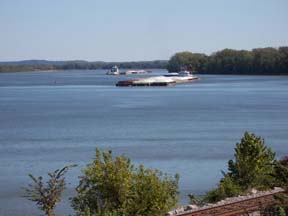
(132, 30)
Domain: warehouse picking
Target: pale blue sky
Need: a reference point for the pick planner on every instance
(125, 30)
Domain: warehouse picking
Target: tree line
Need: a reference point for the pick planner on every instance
(113, 186)
(262, 61)
(80, 65)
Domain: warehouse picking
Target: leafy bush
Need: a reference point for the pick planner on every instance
(226, 188)
(114, 186)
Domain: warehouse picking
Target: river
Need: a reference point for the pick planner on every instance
(49, 120)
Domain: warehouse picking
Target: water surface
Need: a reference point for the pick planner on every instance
(49, 120)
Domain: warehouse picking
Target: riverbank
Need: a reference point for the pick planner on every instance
(31, 65)
(32, 70)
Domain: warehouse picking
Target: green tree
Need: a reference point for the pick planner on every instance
(253, 165)
(266, 60)
(114, 186)
(230, 61)
(46, 197)
(105, 185)
(283, 60)
(153, 193)
(191, 61)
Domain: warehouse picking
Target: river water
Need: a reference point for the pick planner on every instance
(49, 120)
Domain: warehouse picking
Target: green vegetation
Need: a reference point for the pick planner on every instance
(109, 187)
(191, 61)
(281, 172)
(20, 68)
(254, 166)
(46, 197)
(71, 65)
(114, 186)
(262, 61)
(226, 188)
(281, 176)
(270, 61)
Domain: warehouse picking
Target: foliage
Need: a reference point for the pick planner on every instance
(105, 184)
(114, 186)
(228, 61)
(280, 174)
(284, 161)
(272, 61)
(46, 197)
(154, 193)
(253, 168)
(281, 180)
(282, 202)
(272, 210)
(226, 188)
(194, 200)
(191, 61)
(282, 212)
(83, 65)
(253, 165)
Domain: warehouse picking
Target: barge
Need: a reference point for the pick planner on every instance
(166, 80)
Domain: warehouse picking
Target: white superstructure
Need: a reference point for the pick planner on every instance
(114, 71)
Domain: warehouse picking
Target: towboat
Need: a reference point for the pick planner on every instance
(113, 71)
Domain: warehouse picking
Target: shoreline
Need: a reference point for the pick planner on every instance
(34, 71)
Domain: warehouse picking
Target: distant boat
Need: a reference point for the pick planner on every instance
(115, 71)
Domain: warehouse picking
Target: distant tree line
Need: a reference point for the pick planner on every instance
(262, 61)
(83, 65)
(19, 68)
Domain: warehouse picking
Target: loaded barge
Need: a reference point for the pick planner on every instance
(166, 80)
